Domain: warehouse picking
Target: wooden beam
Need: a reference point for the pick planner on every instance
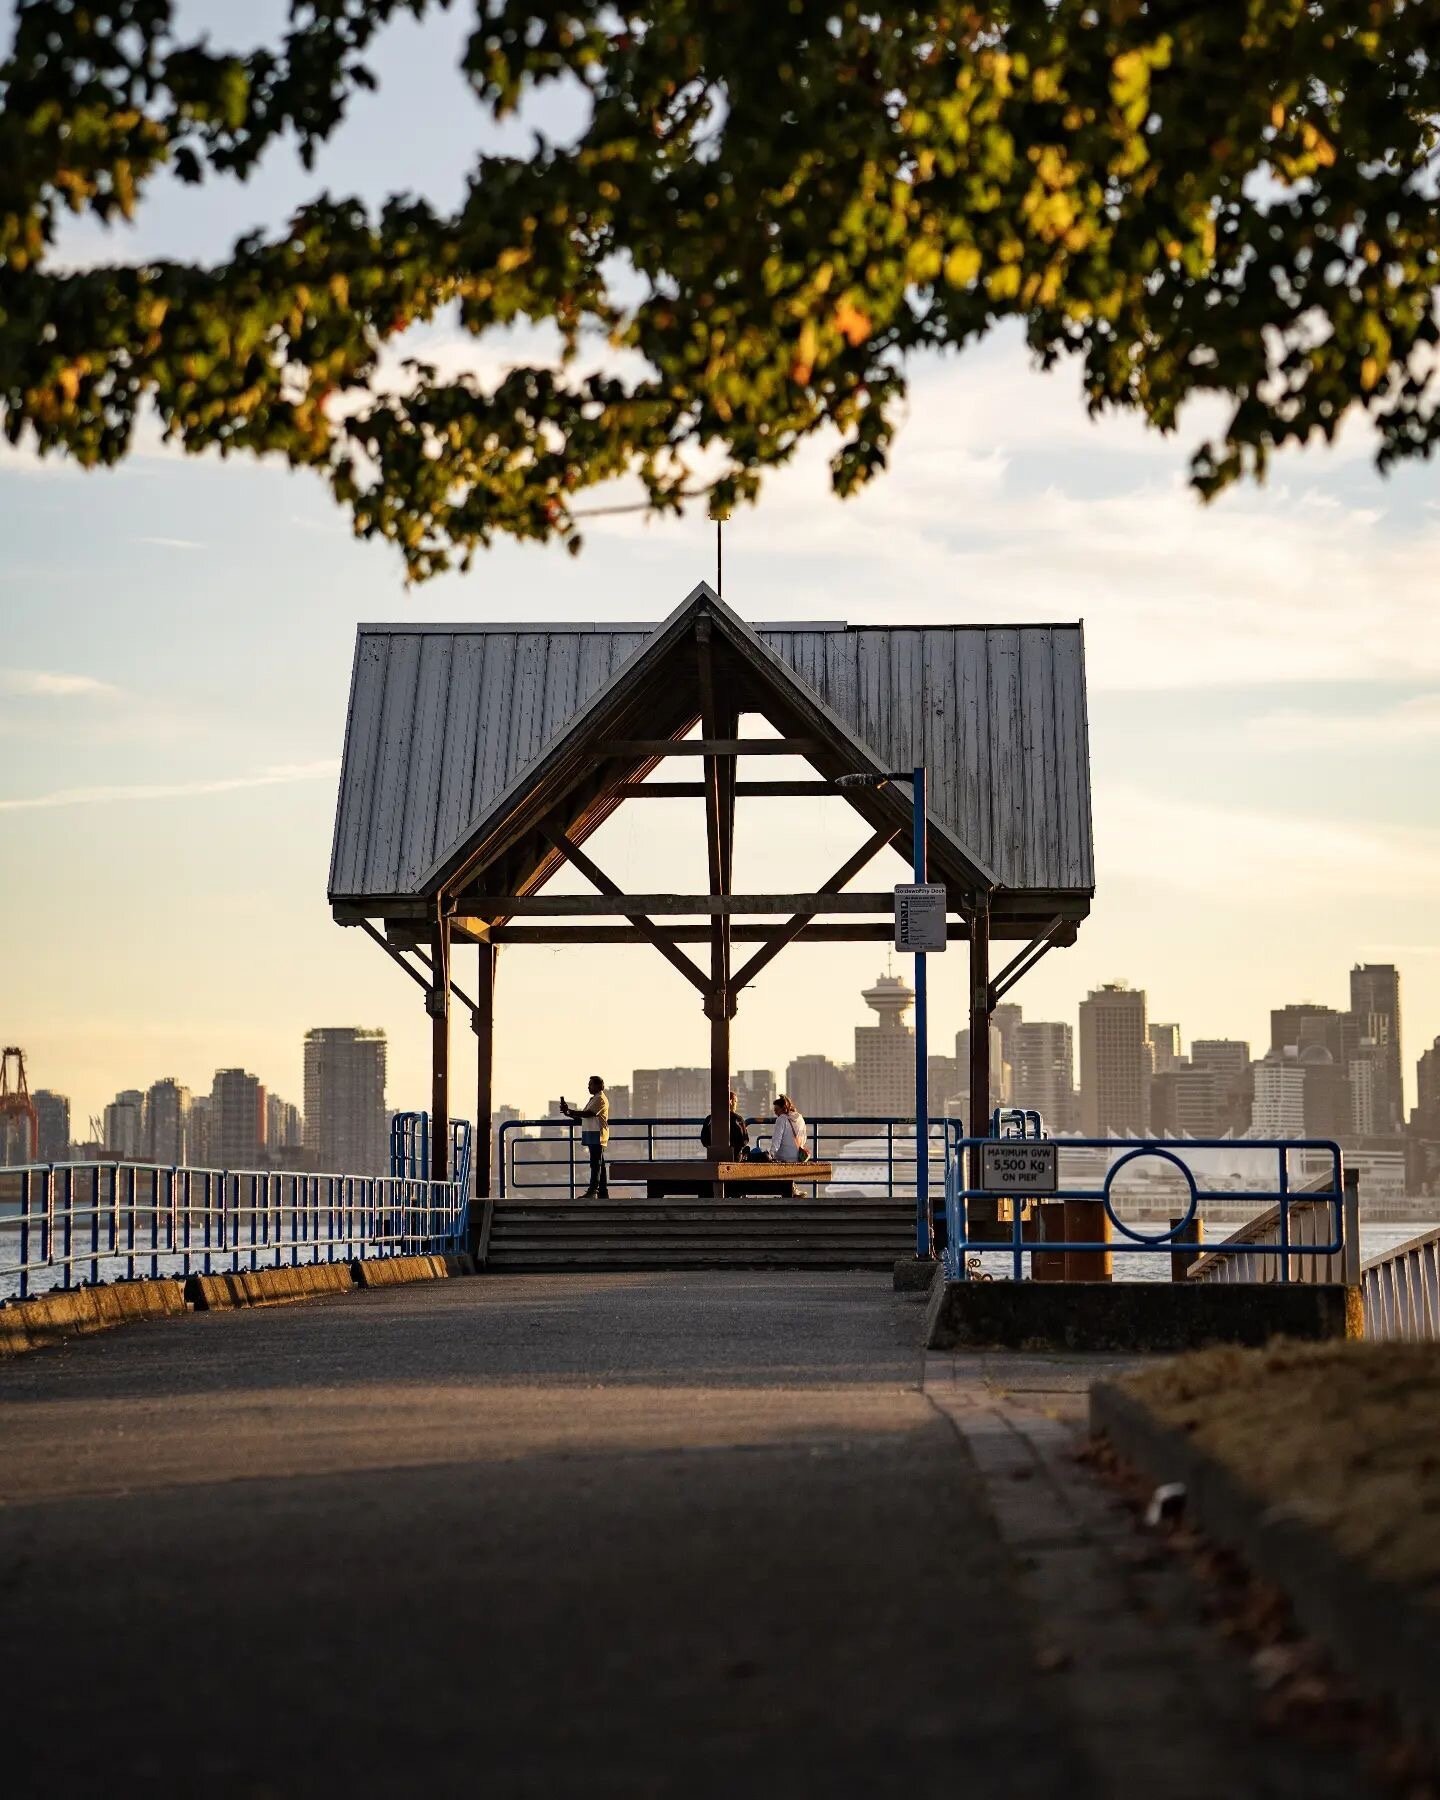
(860, 931)
(717, 1000)
(708, 746)
(592, 872)
(553, 906)
(797, 923)
(482, 1020)
(746, 790)
(978, 1123)
(1021, 965)
(437, 1004)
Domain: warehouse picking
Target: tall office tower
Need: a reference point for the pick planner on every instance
(235, 1121)
(284, 1126)
(167, 1120)
(618, 1093)
(1043, 1075)
(1114, 1062)
(345, 1131)
(676, 1093)
(1328, 1109)
(125, 1125)
(947, 1085)
(1006, 1019)
(1363, 1071)
(1001, 1082)
(1164, 1042)
(1279, 1109)
(885, 1053)
(820, 1088)
(1375, 1002)
(53, 1113)
(1185, 1102)
(755, 1092)
(1427, 1095)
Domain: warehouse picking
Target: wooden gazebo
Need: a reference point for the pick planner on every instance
(479, 759)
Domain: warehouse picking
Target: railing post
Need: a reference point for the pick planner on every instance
(24, 1233)
(1284, 1214)
(1350, 1229)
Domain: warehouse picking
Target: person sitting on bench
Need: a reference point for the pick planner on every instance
(739, 1136)
(789, 1140)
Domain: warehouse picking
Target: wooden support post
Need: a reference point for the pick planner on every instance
(1087, 1222)
(719, 724)
(437, 1004)
(1180, 1260)
(978, 1124)
(482, 1020)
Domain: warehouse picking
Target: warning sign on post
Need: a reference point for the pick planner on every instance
(920, 916)
(1020, 1167)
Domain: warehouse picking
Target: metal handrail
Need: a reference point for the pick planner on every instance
(89, 1222)
(895, 1137)
(1123, 1152)
(1402, 1290)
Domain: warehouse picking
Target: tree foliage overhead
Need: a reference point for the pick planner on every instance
(768, 207)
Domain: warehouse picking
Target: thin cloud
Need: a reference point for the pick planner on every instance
(52, 684)
(171, 543)
(281, 774)
(1413, 721)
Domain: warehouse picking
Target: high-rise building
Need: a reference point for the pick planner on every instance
(1228, 1059)
(52, 1111)
(676, 1093)
(1184, 1102)
(1304, 1024)
(885, 1053)
(1114, 1062)
(618, 1093)
(755, 1092)
(1427, 1093)
(1375, 1002)
(1279, 1109)
(125, 1126)
(1043, 1071)
(167, 1122)
(236, 1120)
(199, 1132)
(820, 1088)
(284, 1126)
(1001, 1085)
(1006, 1018)
(1164, 1042)
(344, 1115)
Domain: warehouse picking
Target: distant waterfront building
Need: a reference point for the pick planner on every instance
(1114, 1062)
(947, 1086)
(1043, 1071)
(53, 1113)
(1007, 1019)
(1427, 1093)
(1279, 1109)
(167, 1122)
(1305, 1024)
(1228, 1060)
(1375, 1002)
(822, 1089)
(199, 1147)
(237, 1115)
(619, 1097)
(344, 1113)
(125, 1126)
(1164, 1042)
(284, 1126)
(885, 1053)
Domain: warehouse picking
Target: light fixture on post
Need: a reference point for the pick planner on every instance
(919, 927)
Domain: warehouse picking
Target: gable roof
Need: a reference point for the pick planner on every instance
(450, 726)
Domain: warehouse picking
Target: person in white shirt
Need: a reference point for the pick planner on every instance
(789, 1141)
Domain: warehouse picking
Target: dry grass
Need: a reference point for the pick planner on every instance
(1344, 1435)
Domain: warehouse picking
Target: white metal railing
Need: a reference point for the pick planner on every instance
(1402, 1290)
(89, 1222)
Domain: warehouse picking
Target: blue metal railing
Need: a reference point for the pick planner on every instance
(872, 1153)
(91, 1222)
(410, 1148)
(1121, 1153)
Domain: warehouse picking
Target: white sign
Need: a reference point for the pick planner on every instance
(1019, 1166)
(920, 916)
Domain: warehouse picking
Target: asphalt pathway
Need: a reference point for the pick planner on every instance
(632, 1535)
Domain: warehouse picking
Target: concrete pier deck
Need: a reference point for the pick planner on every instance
(713, 1534)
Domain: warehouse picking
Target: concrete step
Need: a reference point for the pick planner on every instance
(681, 1257)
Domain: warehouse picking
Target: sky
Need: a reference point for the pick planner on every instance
(175, 647)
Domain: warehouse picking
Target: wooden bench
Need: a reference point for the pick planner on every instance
(694, 1175)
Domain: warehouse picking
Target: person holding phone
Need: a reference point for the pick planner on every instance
(593, 1119)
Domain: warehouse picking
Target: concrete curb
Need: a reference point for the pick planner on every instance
(913, 1274)
(267, 1287)
(1135, 1315)
(1386, 1639)
(77, 1312)
(396, 1271)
